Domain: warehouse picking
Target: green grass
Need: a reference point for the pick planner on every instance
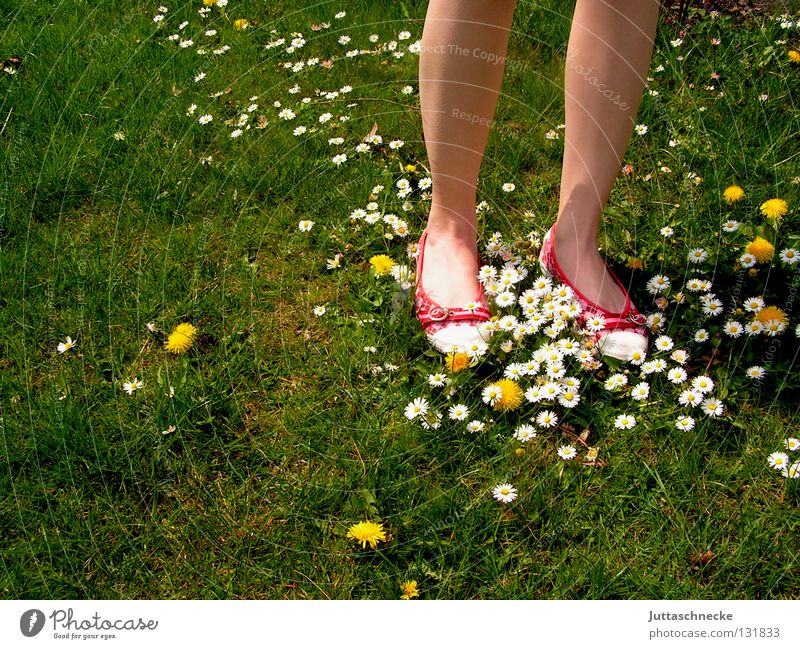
(284, 435)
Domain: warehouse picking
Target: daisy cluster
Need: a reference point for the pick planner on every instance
(548, 362)
(375, 212)
(747, 315)
(396, 47)
(780, 460)
(303, 114)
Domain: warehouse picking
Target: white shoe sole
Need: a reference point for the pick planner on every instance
(621, 344)
(457, 337)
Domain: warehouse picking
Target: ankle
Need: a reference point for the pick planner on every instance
(457, 230)
(568, 240)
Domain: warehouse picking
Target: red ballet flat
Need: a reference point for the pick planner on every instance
(624, 334)
(448, 328)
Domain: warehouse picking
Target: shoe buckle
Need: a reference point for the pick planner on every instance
(438, 313)
(637, 318)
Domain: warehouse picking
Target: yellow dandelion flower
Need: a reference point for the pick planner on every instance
(181, 338)
(240, 23)
(774, 208)
(635, 263)
(772, 313)
(761, 249)
(367, 532)
(208, 3)
(733, 194)
(512, 395)
(794, 56)
(457, 361)
(382, 264)
(409, 589)
(411, 168)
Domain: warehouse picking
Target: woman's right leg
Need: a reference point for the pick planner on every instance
(464, 44)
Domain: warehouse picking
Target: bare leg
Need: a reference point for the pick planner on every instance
(464, 43)
(609, 52)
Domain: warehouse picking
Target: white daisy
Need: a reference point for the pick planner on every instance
(305, 225)
(755, 372)
(697, 255)
(733, 328)
(491, 394)
(418, 406)
(790, 255)
(437, 380)
(640, 129)
(694, 285)
(637, 357)
(509, 187)
(595, 323)
(547, 419)
(658, 284)
(505, 493)
(701, 335)
(747, 260)
(319, 310)
(131, 386)
(684, 423)
(713, 407)
(567, 452)
(664, 343)
(753, 328)
(792, 443)
(690, 397)
(677, 375)
(703, 384)
(730, 225)
(458, 412)
(753, 304)
(773, 327)
(624, 422)
(616, 381)
(62, 347)
(525, 433)
(640, 391)
(475, 426)
(712, 305)
(534, 394)
(514, 371)
(569, 398)
(778, 460)
(504, 299)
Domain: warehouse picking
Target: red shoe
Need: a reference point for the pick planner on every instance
(449, 328)
(625, 333)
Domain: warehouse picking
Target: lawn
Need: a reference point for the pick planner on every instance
(245, 178)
